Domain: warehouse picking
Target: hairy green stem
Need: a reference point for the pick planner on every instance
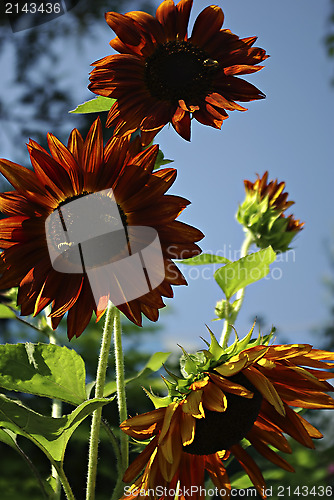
(99, 388)
(121, 401)
(231, 314)
(56, 412)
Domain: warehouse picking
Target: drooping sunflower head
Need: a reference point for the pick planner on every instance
(228, 397)
(161, 75)
(78, 227)
(262, 213)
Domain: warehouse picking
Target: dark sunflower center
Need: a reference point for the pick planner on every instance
(72, 198)
(220, 430)
(179, 70)
(90, 235)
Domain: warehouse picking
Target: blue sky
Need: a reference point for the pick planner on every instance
(290, 133)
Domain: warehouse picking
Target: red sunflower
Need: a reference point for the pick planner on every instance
(162, 76)
(248, 396)
(66, 174)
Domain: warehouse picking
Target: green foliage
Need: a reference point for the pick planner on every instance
(158, 401)
(215, 348)
(44, 370)
(161, 160)
(6, 312)
(76, 448)
(8, 437)
(154, 364)
(191, 364)
(241, 273)
(50, 434)
(96, 105)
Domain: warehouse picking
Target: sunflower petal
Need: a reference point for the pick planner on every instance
(169, 412)
(232, 366)
(207, 25)
(144, 422)
(269, 454)
(271, 436)
(166, 15)
(140, 461)
(266, 388)
(187, 428)
(183, 9)
(213, 398)
(250, 467)
(193, 404)
(218, 474)
(228, 385)
(21, 178)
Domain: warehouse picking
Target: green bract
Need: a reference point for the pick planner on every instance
(196, 366)
(268, 225)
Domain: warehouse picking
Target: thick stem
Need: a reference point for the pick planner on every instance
(99, 388)
(227, 328)
(56, 412)
(121, 401)
(232, 316)
(120, 383)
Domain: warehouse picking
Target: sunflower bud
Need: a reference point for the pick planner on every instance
(262, 213)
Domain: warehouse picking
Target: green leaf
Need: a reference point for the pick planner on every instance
(89, 388)
(153, 365)
(188, 364)
(205, 258)
(161, 160)
(243, 272)
(215, 348)
(158, 401)
(8, 437)
(96, 105)
(44, 370)
(6, 312)
(241, 481)
(50, 434)
(243, 343)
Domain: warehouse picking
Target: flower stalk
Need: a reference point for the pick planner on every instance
(231, 314)
(56, 408)
(121, 402)
(99, 388)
